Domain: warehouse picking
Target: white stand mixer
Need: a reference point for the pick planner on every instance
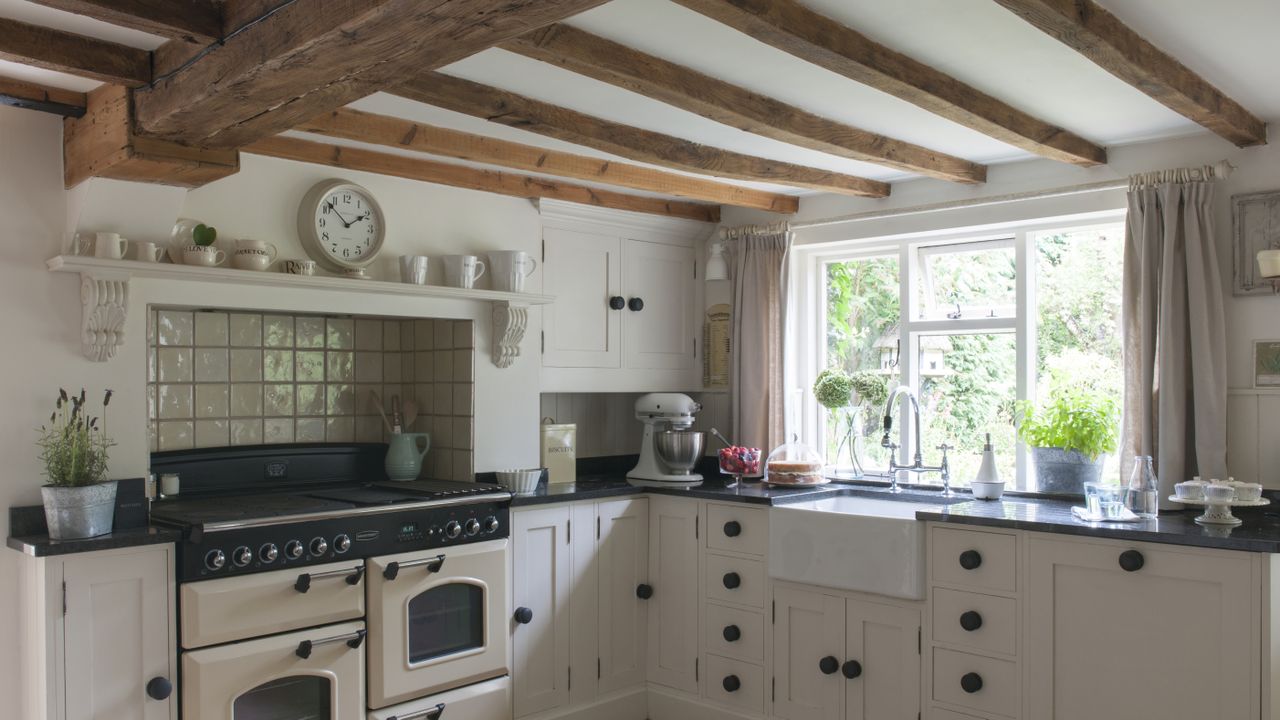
(669, 450)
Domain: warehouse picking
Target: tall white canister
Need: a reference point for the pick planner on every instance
(560, 451)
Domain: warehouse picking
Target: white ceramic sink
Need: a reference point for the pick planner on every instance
(851, 543)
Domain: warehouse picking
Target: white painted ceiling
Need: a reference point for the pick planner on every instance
(1229, 42)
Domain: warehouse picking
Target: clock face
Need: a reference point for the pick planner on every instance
(341, 225)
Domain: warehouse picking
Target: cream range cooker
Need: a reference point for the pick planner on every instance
(312, 587)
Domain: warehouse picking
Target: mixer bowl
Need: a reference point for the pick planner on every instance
(680, 449)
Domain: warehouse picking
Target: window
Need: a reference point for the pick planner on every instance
(992, 319)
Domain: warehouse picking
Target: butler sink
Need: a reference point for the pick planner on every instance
(851, 543)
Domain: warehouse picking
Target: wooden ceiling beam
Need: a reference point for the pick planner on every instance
(409, 135)
(311, 56)
(80, 55)
(1095, 33)
(190, 20)
(23, 94)
(472, 178)
(626, 141)
(793, 28)
(593, 56)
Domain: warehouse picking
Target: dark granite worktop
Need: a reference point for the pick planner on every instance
(29, 535)
(595, 487)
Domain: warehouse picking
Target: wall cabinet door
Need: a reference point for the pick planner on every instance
(583, 271)
(809, 634)
(623, 553)
(118, 634)
(540, 584)
(659, 336)
(1177, 638)
(673, 608)
(884, 642)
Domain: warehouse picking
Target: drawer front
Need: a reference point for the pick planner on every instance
(235, 608)
(944, 714)
(489, 699)
(739, 581)
(734, 633)
(981, 622)
(738, 528)
(720, 686)
(974, 558)
(998, 694)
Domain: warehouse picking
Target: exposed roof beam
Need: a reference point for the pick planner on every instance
(608, 61)
(472, 178)
(1098, 35)
(311, 56)
(408, 135)
(19, 93)
(795, 29)
(626, 141)
(191, 20)
(75, 54)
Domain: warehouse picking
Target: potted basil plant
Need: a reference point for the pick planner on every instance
(78, 502)
(1070, 437)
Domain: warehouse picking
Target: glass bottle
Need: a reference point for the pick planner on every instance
(1143, 494)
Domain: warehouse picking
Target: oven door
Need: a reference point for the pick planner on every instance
(316, 674)
(437, 620)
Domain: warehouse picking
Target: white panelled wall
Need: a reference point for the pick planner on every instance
(607, 423)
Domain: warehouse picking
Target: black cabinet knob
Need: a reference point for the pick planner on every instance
(970, 559)
(636, 304)
(1132, 561)
(828, 665)
(971, 682)
(970, 620)
(732, 633)
(644, 592)
(732, 580)
(524, 615)
(732, 528)
(617, 302)
(159, 688)
(851, 669)
(731, 683)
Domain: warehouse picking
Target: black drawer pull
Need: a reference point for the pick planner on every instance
(829, 665)
(524, 615)
(732, 528)
(732, 580)
(1132, 561)
(644, 592)
(732, 633)
(970, 559)
(971, 682)
(731, 683)
(851, 669)
(970, 620)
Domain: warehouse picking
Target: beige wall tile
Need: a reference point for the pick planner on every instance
(246, 365)
(277, 365)
(311, 399)
(309, 430)
(175, 402)
(174, 364)
(277, 400)
(246, 400)
(309, 366)
(212, 400)
(175, 327)
(175, 434)
(463, 334)
(246, 432)
(368, 334)
(339, 366)
(211, 329)
(309, 332)
(391, 332)
(391, 370)
(342, 400)
(463, 368)
(212, 433)
(246, 330)
(211, 365)
(368, 367)
(277, 430)
(462, 433)
(340, 429)
(443, 332)
(339, 333)
(277, 331)
(423, 335)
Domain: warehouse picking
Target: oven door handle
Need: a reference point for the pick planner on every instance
(303, 583)
(434, 564)
(353, 640)
(431, 713)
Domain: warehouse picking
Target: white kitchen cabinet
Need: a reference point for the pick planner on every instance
(583, 270)
(622, 550)
(673, 607)
(100, 626)
(540, 593)
(659, 335)
(1174, 633)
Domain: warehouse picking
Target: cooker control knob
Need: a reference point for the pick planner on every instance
(268, 553)
(319, 546)
(341, 544)
(472, 527)
(215, 559)
(491, 524)
(452, 529)
(242, 556)
(293, 549)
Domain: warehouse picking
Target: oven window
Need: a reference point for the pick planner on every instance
(446, 620)
(304, 697)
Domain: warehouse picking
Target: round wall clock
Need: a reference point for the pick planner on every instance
(341, 225)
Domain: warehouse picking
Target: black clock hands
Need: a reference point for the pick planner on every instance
(345, 222)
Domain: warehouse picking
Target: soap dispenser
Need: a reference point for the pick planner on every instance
(987, 472)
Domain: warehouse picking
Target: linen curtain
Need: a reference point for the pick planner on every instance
(1174, 332)
(757, 258)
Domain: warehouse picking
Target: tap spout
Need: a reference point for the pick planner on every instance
(915, 411)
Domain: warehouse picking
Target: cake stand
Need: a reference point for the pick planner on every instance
(1219, 513)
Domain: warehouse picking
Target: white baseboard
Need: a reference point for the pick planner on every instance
(623, 705)
(669, 705)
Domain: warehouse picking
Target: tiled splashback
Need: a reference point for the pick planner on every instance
(607, 422)
(216, 379)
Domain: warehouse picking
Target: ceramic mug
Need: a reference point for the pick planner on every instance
(413, 269)
(206, 255)
(510, 268)
(148, 251)
(109, 245)
(462, 271)
(300, 267)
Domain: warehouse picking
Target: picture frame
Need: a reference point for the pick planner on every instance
(1266, 364)
(1255, 226)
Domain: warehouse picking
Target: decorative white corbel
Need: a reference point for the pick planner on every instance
(105, 303)
(510, 320)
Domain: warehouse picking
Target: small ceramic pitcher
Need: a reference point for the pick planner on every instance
(404, 459)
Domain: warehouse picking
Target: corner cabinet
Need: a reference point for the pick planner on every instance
(100, 633)
(673, 605)
(627, 297)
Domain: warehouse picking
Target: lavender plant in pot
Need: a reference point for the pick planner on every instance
(78, 502)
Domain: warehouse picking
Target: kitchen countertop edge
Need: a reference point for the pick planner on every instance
(45, 546)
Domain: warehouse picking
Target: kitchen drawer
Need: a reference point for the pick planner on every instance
(489, 699)
(718, 680)
(944, 714)
(1000, 692)
(745, 575)
(992, 558)
(720, 624)
(738, 528)
(235, 608)
(996, 619)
